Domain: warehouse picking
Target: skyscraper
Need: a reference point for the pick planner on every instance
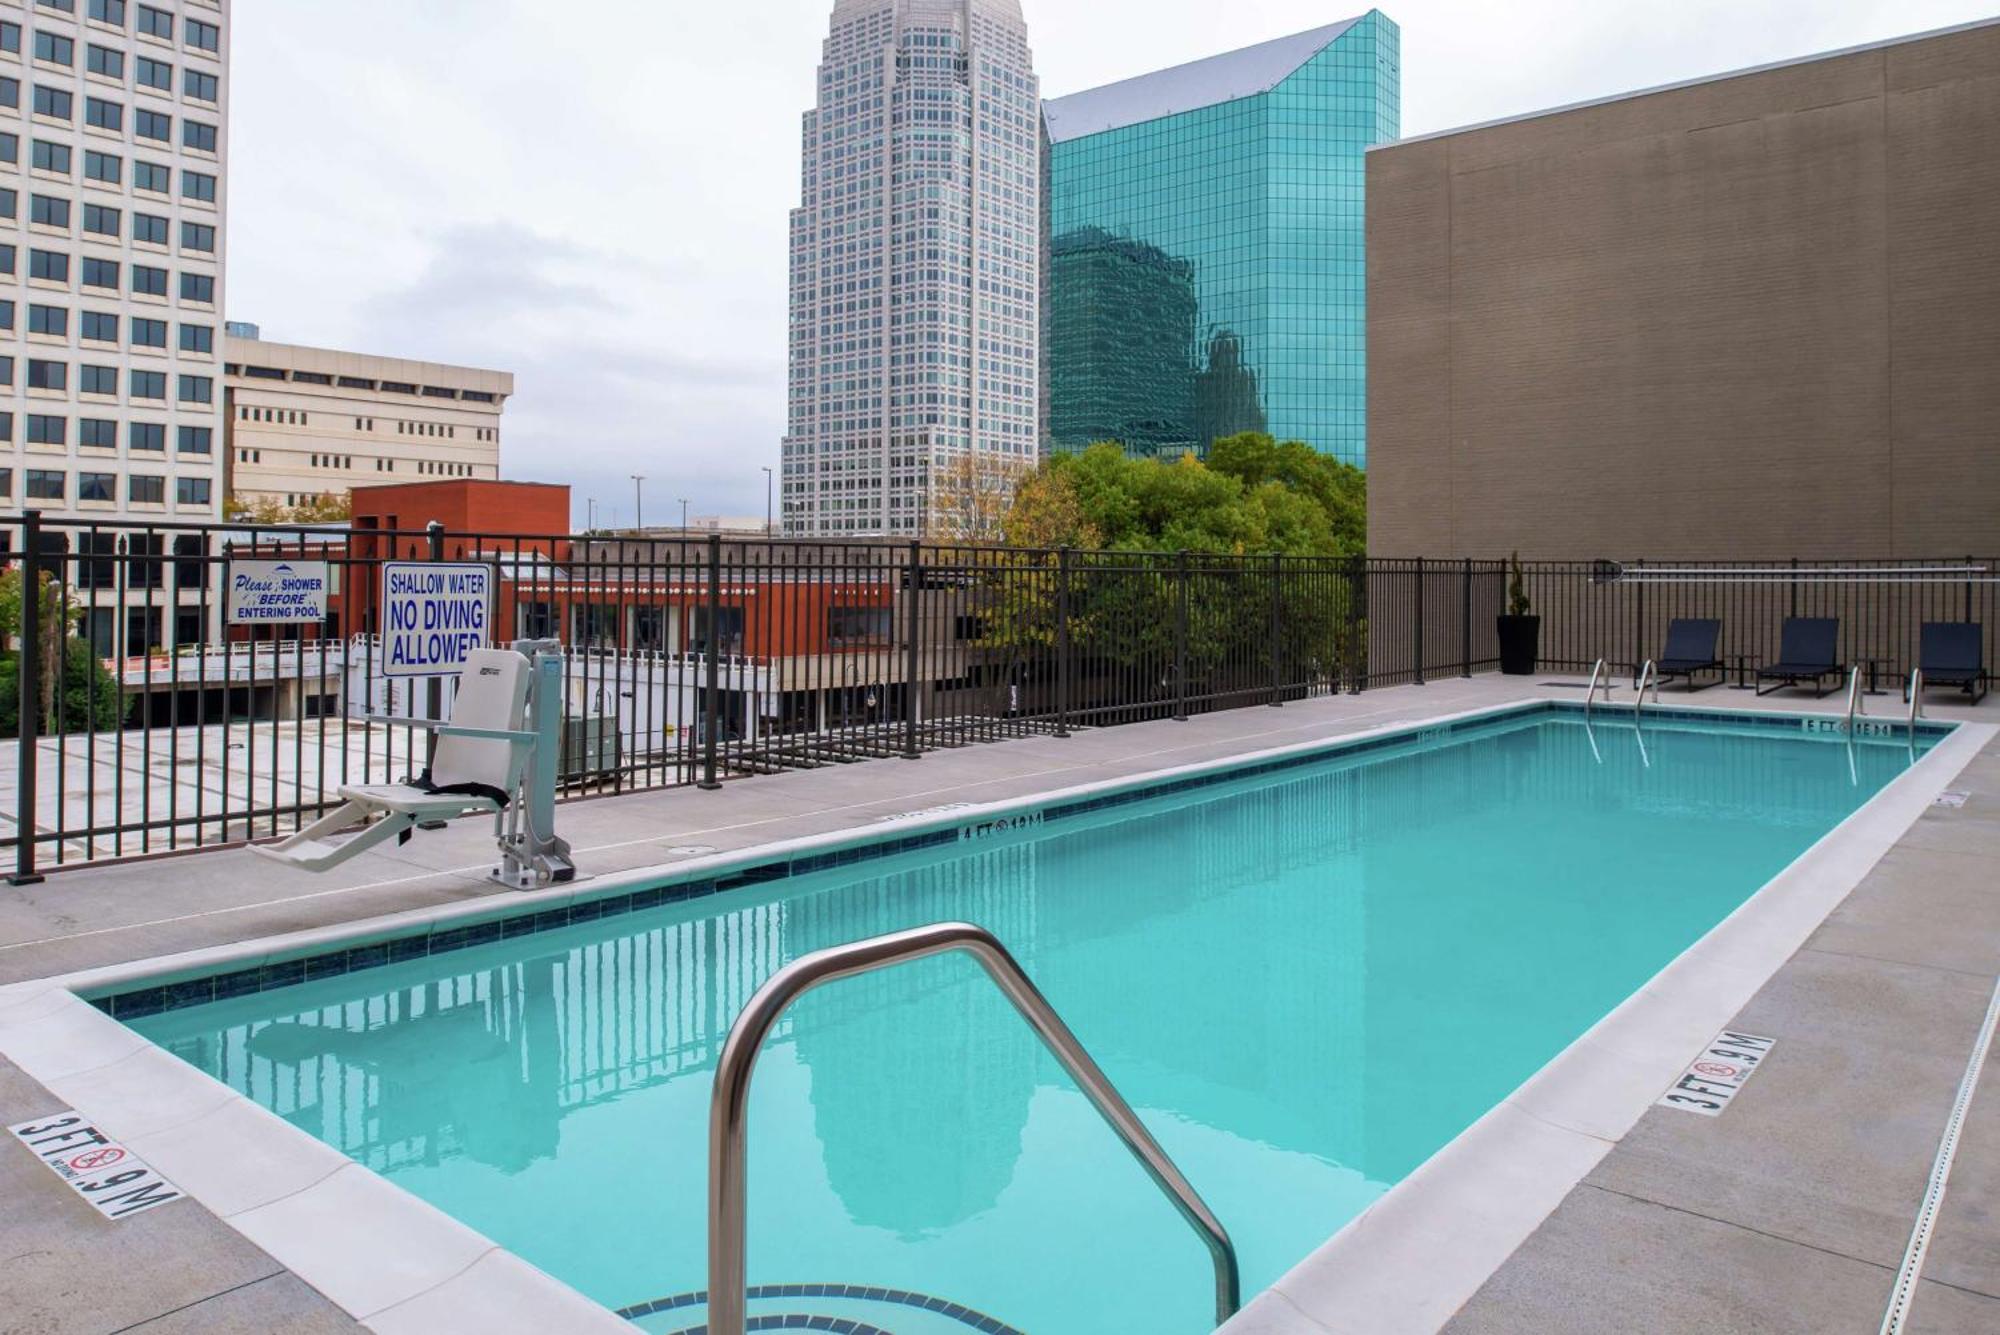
(1238, 177)
(915, 264)
(114, 128)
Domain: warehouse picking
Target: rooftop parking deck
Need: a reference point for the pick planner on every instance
(1789, 1212)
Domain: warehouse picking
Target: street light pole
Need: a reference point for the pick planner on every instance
(638, 501)
(684, 514)
(590, 515)
(767, 502)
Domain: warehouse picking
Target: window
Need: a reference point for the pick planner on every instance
(97, 433)
(6, 477)
(149, 333)
(7, 321)
(46, 430)
(47, 375)
(51, 157)
(10, 91)
(149, 228)
(146, 489)
(198, 86)
(99, 327)
(198, 136)
(10, 37)
(156, 22)
(108, 11)
(154, 73)
(148, 281)
(195, 440)
(192, 491)
(66, 6)
(196, 389)
(10, 149)
(48, 211)
(149, 437)
(151, 176)
(49, 265)
(152, 125)
(48, 320)
(8, 200)
(96, 487)
(103, 60)
(54, 47)
(100, 273)
(7, 371)
(53, 102)
(98, 380)
(149, 384)
(198, 287)
(198, 236)
(106, 167)
(101, 220)
(102, 114)
(206, 36)
(45, 485)
(198, 185)
(197, 338)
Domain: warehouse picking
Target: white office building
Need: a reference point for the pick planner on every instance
(915, 259)
(113, 136)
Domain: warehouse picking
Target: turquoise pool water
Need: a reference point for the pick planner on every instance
(1306, 982)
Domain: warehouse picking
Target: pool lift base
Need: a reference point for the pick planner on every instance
(496, 756)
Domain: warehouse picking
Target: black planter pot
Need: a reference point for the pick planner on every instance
(1520, 645)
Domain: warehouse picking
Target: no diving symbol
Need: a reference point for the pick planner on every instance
(90, 1160)
(1715, 1070)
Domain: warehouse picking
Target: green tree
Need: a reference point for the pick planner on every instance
(77, 692)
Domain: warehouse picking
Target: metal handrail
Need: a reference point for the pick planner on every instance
(1650, 673)
(1600, 669)
(1916, 700)
(729, 1106)
(1854, 704)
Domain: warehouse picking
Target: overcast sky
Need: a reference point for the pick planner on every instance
(593, 195)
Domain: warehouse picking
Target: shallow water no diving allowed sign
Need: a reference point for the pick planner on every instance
(434, 614)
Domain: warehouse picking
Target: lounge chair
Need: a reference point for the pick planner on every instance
(475, 770)
(1952, 653)
(1691, 644)
(1808, 653)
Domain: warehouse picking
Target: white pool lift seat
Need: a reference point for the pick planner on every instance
(496, 756)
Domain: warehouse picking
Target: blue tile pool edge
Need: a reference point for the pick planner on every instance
(766, 864)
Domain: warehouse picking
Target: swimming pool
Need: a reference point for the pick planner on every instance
(1305, 979)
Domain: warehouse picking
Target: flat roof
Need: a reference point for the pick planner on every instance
(1696, 82)
(288, 357)
(1199, 83)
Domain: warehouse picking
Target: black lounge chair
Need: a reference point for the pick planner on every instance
(1691, 643)
(1952, 653)
(1808, 649)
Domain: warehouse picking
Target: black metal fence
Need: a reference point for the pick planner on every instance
(151, 725)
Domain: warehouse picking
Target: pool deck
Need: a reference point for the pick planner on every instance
(1788, 1212)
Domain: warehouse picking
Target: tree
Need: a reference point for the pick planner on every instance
(76, 691)
(268, 510)
(969, 496)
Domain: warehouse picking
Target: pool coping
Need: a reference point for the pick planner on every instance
(398, 1264)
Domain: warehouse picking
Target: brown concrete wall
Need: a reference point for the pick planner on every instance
(1752, 318)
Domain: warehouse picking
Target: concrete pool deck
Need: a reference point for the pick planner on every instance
(105, 916)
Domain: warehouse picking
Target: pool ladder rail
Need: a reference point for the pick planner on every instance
(1855, 706)
(729, 1106)
(1600, 675)
(1650, 673)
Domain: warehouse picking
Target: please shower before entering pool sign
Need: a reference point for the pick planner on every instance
(434, 614)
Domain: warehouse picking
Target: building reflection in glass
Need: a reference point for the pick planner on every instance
(1127, 324)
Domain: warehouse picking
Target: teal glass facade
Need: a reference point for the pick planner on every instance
(1205, 267)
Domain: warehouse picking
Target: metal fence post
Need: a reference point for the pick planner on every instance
(914, 593)
(434, 691)
(1417, 623)
(1277, 630)
(28, 697)
(1465, 622)
(1638, 632)
(711, 650)
(1357, 621)
(1062, 642)
(1181, 637)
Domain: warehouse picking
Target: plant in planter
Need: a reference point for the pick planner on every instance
(1520, 633)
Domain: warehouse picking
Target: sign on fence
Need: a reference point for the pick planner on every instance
(276, 593)
(433, 615)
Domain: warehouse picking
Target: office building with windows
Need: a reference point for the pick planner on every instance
(915, 264)
(1206, 273)
(303, 426)
(113, 139)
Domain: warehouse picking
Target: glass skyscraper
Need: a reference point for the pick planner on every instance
(915, 264)
(1205, 265)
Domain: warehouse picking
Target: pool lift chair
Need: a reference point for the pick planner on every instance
(497, 755)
